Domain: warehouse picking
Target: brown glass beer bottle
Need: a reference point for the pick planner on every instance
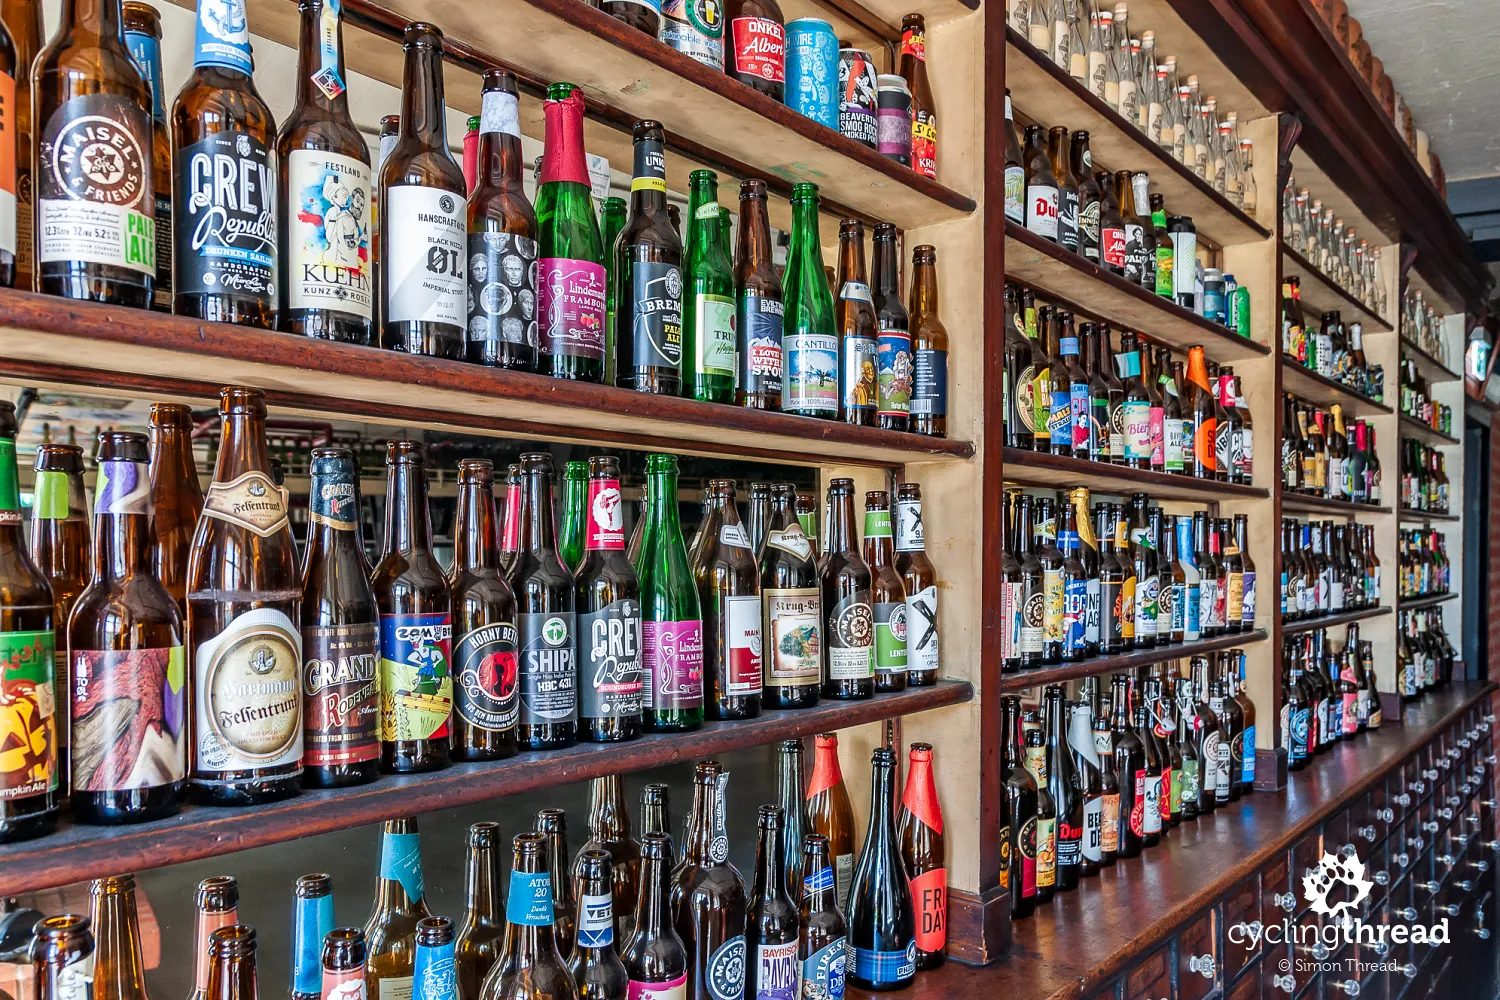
(176, 496)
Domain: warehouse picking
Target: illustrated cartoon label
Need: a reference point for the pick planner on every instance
(571, 301)
(28, 707)
(416, 680)
(129, 707)
(486, 690)
(792, 634)
(329, 241)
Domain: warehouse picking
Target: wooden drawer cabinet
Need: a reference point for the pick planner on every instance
(1151, 979)
(1277, 899)
(1336, 832)
(1306, 854)
(1199, 968)
(1241, 909)
(1248, 986)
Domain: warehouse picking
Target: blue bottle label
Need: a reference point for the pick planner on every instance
(530, 899)
(823, 970)
(434, 976)
(314, 919)
(401, 861)
(885, 966)
(1247, 771)
(223, 35)
(725, 974)
(596, 924)
(146, 51)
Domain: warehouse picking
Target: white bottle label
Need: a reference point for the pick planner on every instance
(247, 697)
(426, 256)
(329, 238)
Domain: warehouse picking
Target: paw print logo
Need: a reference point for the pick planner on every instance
(1331, 871)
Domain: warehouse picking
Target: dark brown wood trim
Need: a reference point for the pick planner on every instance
(1044, 469)
(1024, 679)
(1332, 621)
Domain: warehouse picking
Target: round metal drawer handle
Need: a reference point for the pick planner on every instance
(1481, 866)
(1285, 900)
(1474, 819)
(1451, 909)
(1417, 843)
(1403, 800)
(1454, 801)
(1348, 986)
(1465, 742)
(1482, 933)
(1381, 948)
(1409, 971)
(1445, 812)
(1402, 859)
(1464, 885)
(1431, 826)
(1381, 878)
(1385, 815)
(1367, 832)
(1427, 886)
(1203, 965)
(1285, 984)
(1407, 913)
(1447, 860)
(1420, 787)
(1461, 839)
(1319, 951)
(1445, 763)
(1430, 774)
(1488, 803)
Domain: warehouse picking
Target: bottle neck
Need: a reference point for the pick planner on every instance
(818, 883)
(851, 262)
(243, 447)
(707, 841)
(474, 544)
(755, 236)
(538, 534)
(663, 510)
(481, 887)
(648, 185)
(562, 159)
(499, 146)
(651, 917)
(423, 115)
(887, 269)
(408, 525)
(770, 882)
(117, 946)
(121, 546)
(96, 16)
(842, 535)
(609, 817)
(321, 65)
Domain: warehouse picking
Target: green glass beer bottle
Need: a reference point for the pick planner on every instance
(611, 221)
(809, 333)
(708, 312)
(570, 530)
(671, 616)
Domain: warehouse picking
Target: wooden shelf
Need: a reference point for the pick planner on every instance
(1060, 274)
(1411, 427)
(1301, 502)
(1307, 384)
(49, 341)
(1320, 295)
(1030, 678)
(1418, 603)
(1033, 468)
(1428, 366)
(627, 75)
(1045, 93)
(75, 853)
(1411, 516)
(1332, 621)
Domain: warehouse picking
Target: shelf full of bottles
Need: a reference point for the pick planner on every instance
(1411, 427)
(1333, 620)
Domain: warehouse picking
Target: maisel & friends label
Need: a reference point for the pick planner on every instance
(548, 674)
(330, 233)
(486, 681)
(416, 682)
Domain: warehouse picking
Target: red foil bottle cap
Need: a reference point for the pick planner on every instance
(563, 158)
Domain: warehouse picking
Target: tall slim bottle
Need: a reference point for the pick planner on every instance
(913, 68)
(887, 595)
(93, 240)
(919, 832)
(811, 330)
(656, 958)
(60, 549)
(433, 968)
(216, 904)
(224, 203)
(771, 926)
(323, 195)
(62, 955)
(531, 964)
(671, 616)
(416, 624)
(554, 823)
(791, 795)
(1021, 814)
(23, 19)
(142, 26)
(728, 578)
(894, 387)
(829, 812)
(176, 496)
(244, 632)
(391, 930)
(609, 831)
(882, 923)
(792, 623)
(129, 686)
(919, 582)
(119, 970)
(594, 964)
(608, 597)
(571, 297)
(708, 345)
(340, 632)
(848, 617)
(929, 348)
(648, 262)
(502, 237)
(485, 695)
(758, 306)
(423, 245)
(858, 330)
(479, 941)
(708, 898)
(312, 920)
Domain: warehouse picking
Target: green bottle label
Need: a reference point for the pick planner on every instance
(51, 496)
(28, 758)
(890, 637)
(10, 491)
(877, 524)
(714, 325)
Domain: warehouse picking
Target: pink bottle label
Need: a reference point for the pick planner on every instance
(676, 989)
(674, 662)
(571, 307)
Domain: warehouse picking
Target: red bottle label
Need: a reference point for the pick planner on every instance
(1112, 242)
(914, 43)
(673, 989)
(924, 143)
(929, 894)
(1138, 808)
(759, 48)
(920, 797)
(606, 524)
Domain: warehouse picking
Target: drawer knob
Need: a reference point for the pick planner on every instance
(1430, 774)
(1481, 866)
(1454, 801)
(1461, 839)
(1420, 787)
(1203, 965)
(1409, 971)
(1367, 832)
(1487, 803)
(1285, 900)
(1451, 909)
(1381, 948)
(1491, 760)
(1465, 742)
(1381, 878)
(1319, 951)
(1348, 986)
(1386, 816)
(1417, 843)
(1402, 859)
(1489, 720)
(1455, 753)
(1447, 860)
(1445, 763)
(1482, 933)
(1285, 984)
(1427, 886)
(1349, 851)
(1445, 812)
(1464, 885)
(1431, 826)
(1403, 800)
(1407, 913)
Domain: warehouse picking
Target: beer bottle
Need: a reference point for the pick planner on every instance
(709, 297)
(644, 16)
(1011, 583)
(1033, 598)
(882, 923)
(224, 208)
(143, 38)
(324, 193)
(478, 946)
(755, 53)
(648, 267)
(570, 533)
(829, 812)
(1067, 189)
(312, 921)
(62, 955)
(485, 697)
(919, 584)
(340, 632)
(1046, 824)
(671, 616)
(821, 933)
(758, 516)
(929, 348)
(390, 128)
(126, 639)
(1066, 792)
(1185, 744)
(391, 930)
(924, 126)
(893, 344)
(60, 548)
(728, 579)
(707, 894)
(176, 497)
(502, 229)
(119, 971)
(244, 609)
(655, 958)
(231, 971)
(343, 957)
(609, 831)
(848, 618)
(1203, 406)
(1130, 765)
(23, 19)
(609, 627)
(758, 305)
(887, 595)
(571, 334)
(1109, 779)
(791, 795)
(416, 624)
(93, 241)
(423, 248)
(216, 904)
(656, 810)
(858, 330)
(544, 595)
(510, 530)
(433, 972)
(611, 221)
(594, 965)
(807, 516)
(771, 926)
(554, 823)
(1241, 697)
(1232, 740)
(811, 330)
(1080, 738)
(1209, 735)
(1021, 812)
(919, 833)
(792, 622)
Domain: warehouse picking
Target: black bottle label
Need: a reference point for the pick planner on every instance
(502, 289)
(609, 648)
(657, 319)
(548, 675)
(224, 211)
(486, 689)
(341, 706)
(760, 352)
(929, 394)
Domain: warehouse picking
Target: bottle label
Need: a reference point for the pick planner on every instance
(812, 363)
(161, 294)
(725, 975)
(611, 675)
(226, 214)
(1137, 416)
(1093, 828)
(1247, 598)
(1033, 620)
(1112, 246)
(929, 394)
(858, 100)
(657, 323)
(1054, 598)
(672, 989)
(596, 921)
(776, 971)
(8, 164)
(890, 637)
(1109, 837)
(1046, 852)
(1189, 770)
(791, 539)
(1041, 210)
(334, 499)
(340, 694)
(425, 247)
(94, 186)
(251, 501)
(434, 973)
(792, 635)
(1247, 758)
(714, 343)
(1184, 264)
(571, 303)
(1015, 194)
(606, 524)
(759, 48)
(734, 536)
(502, 288)
(248, 702)
(929, 895)
(823, 971)
(1026, 845)
(486, 686)
(342, 984)
(893, 366)
(416, 680)
(696, 29)
(548, 674)
(1067, 218)
(395, 988)
(910, 533)
(885, 966)
(758, 322)
(859, 383)
(1088, 230)
(1151, 817)
(330, 232)
(673, 653)
(146, 51)
(401, 861)
(851, 638)
(223, 37)
(924, 142)
(530, 900)
(28, 662)
(1069, 845)
(742, 637)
